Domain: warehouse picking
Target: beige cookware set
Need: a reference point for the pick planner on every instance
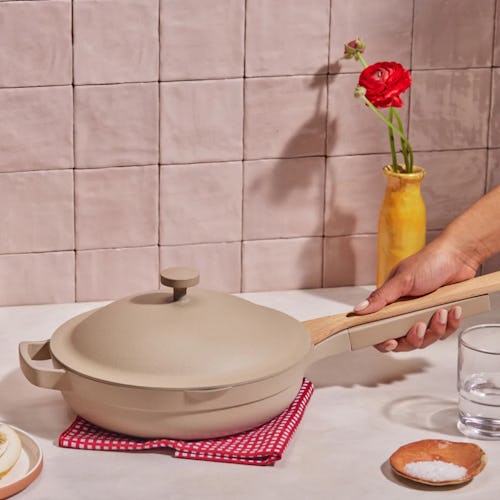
(195, 364)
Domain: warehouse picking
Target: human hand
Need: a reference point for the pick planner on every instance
(442, 324)
(422, 273)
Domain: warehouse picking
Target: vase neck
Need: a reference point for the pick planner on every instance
(417, 174)
(397, 181)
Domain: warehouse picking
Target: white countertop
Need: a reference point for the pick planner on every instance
(365, 406)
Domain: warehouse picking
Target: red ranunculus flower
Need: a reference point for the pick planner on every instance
(384, 82)
(380, 86)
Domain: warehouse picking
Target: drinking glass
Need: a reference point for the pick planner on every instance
(479, 381)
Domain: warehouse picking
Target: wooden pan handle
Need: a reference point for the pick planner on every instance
(326, 326)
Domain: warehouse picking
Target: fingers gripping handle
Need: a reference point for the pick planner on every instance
(373, 333)
(321, 328)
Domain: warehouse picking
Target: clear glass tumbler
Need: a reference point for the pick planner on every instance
(479, 381)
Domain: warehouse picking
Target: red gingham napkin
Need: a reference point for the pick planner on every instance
(261, 446)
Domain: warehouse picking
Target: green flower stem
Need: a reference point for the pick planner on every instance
(384, 119)
(405, 147)
(391, 142)
(361, 59)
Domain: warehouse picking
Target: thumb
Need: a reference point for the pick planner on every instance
(389, 292)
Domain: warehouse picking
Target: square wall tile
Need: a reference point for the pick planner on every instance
(36, 44)
(449, 109)
(116, 125)
(494, 128)
(219, 264)
(115, 41)
(200, 203)
(496, 46)
(286, 37)
(37, 278)
(116, 273)
(350, 261)
(355, 188)
(384, 25)
(284, 117)
(36, 211)
(453, 181)
(353, 128)
(201, 40)
(453, 34)
(493, 169)
(283, 198)
(284, 264)
(201, 121)
(36, 129)
(116, 207)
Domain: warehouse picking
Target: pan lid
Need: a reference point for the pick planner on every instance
(196, 339)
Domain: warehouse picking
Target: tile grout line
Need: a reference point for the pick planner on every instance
(243, 161)
(488, 118)
(412, 43)
(256, 77)
(325, 160)
(159, 142)
(75, 284)
(491, 97)
(343, 155)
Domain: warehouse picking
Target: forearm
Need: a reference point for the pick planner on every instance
(454, 256)
(475, 234)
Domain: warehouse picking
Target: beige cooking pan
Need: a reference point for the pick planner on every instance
(201, 364)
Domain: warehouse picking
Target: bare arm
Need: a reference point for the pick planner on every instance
(455, 255)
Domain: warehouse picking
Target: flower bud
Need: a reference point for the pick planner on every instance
(353, 48)
(359, 91)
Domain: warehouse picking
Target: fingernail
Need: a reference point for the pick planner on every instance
(443, 316)
(362, 305)
(457, 313)
(391, 345)
(421, 328)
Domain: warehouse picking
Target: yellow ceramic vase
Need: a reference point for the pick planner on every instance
(402, 220)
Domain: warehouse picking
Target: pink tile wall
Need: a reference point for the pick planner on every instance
(116, 124)
(224, 135)
(201, 121)
(115, 45)
(201, 40)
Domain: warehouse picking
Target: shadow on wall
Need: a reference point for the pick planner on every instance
(272, 186)
(340, 246)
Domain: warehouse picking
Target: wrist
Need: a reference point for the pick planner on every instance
(462, 252)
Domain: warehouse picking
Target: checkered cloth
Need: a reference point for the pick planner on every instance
(261, 446)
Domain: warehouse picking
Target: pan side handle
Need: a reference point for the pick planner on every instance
(48, 378)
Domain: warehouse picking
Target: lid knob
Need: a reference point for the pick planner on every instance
(180, 279)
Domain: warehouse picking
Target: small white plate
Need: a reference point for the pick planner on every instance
(27, 468)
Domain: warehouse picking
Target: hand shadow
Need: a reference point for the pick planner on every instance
(425, 412)
(366, 367)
